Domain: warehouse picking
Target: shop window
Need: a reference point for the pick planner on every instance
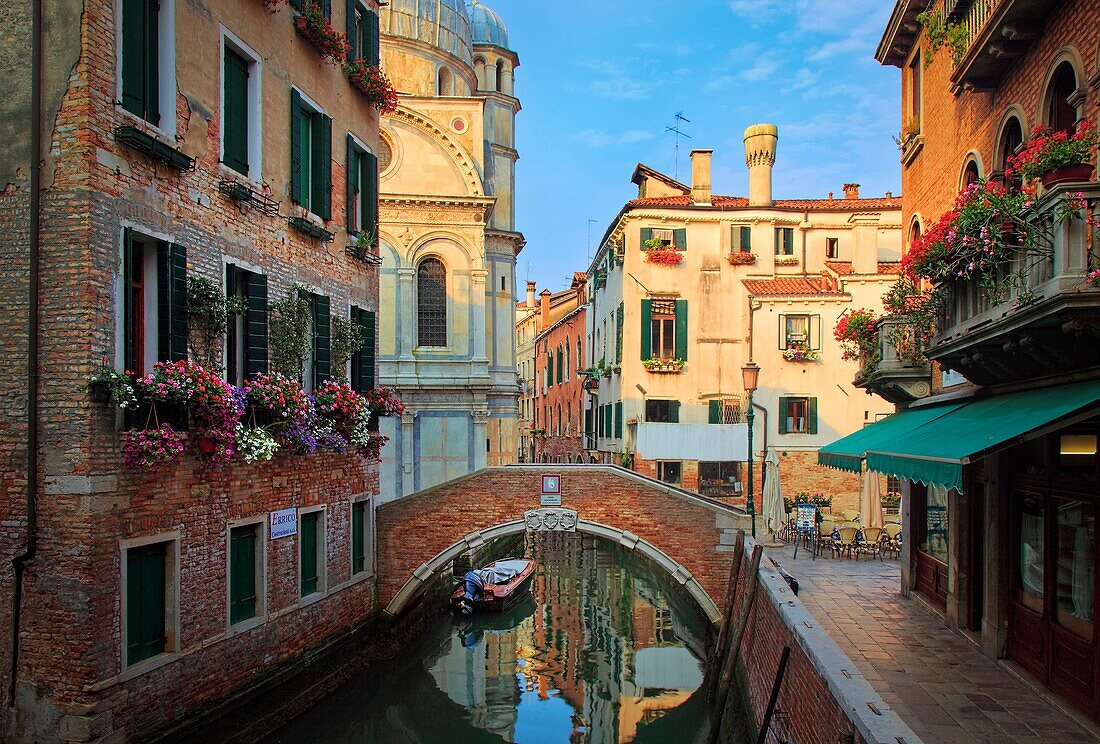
(720, 478)
(662, 411)
(245, 574)
(669, 471)
(1076, 580)
(1031, 564)
(797, 415)
(934, 535)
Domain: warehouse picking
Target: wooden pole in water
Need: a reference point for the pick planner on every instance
(762, 737)
(737, 635)
(731, 596)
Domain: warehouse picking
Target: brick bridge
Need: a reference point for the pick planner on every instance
(688, 535)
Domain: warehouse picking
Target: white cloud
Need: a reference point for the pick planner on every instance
(763, 67)
(608, 80)
(596, 139)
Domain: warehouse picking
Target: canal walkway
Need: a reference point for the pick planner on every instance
(937, 682)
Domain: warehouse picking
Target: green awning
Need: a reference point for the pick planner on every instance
(935, 451)
(847, 453)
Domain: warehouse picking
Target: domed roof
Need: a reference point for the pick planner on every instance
(488, 26)
(441, 23)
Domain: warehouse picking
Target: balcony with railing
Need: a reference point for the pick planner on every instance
(1045, 321)
(996, 32)
(895, 367)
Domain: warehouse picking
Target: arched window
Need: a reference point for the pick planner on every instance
(971, 174)
(444, 86)
(914, 231)
(500, 76)
(431, 303)
(567, 368)
(1012, 136)
(1061, 116)
(479, 72)
(559, 419)
(580, 357)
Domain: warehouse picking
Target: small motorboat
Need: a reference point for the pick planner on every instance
(493, 588)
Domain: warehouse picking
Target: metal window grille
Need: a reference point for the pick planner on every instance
(431, 291)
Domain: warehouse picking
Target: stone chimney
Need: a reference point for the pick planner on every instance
(760, 141)
(851, 191)
(700, 176)
(530, 304)
(544, 309)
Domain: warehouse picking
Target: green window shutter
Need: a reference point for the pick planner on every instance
(682, 329)
(607, 423)
(235, 112)
(674, 411)
(561, 376)
(145, 595)
(680, 238)
(599, 421)
(373, 51)
(618, 336)
(746, 238)
(298, 148)
(255, 324)
(321, 340)
(784, 408)
(321, 175)
(715, 411)
(353, 31)
(128, 248)
(363, 372)
(647, 321)
(778, 240)
(811, 415)
(646, 234)
(232, 277)
(242, 573)
(308, 555)
(619, 420)
(326, 8)
(549, 371)
(141, 59)
(171, 302)
(368, 191)
(358, 554)
(351, 177)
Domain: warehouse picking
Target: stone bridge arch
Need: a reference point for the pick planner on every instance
(689, 536)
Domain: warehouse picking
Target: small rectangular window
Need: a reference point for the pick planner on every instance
(141, 58)
(310, 157)
(362, 174)
(246, 334)
(663, 329)
(741, 239)
(720, 478)
(832, 247)
(147, 612)
(784, 241)
(311, 552)
(154, 302)
(363, 34)
(800, 331)
(235, 111)
(360, 536)
(244, 572)
(669, 471)
(798, 415)
(662, 411)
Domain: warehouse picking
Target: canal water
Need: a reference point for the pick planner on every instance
(603, 650)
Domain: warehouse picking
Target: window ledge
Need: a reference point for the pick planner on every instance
(309, 599)
(245, 625)
(137, 120)
(911, 150)
(147, 665)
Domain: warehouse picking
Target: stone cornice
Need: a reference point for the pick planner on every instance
(426, 209)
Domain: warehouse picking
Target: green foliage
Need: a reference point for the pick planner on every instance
(941, 34)
(208, 315)
(288, 331)
(345, 342)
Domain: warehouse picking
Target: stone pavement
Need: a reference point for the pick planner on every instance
(936, 681)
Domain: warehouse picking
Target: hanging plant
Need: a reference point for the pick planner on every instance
(338, 404)
(117, 388)
(273, 6)
(1047, 152)
(346, 340)
(941, 33)
(373, 84)
(288, 326)
(148, 449)
(856, 333)
(209, 312)
(255, 444)
(316, 28)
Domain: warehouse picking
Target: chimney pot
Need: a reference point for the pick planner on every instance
(889, 194)
(700, 176)
(760, 142)
(830, 196)
(851, 191)
(530, 303)
(544, 309)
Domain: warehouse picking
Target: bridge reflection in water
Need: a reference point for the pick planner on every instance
(604, 650)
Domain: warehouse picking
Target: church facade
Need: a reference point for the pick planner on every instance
(448, 243)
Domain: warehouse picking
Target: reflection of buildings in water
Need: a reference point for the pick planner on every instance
(481, 678)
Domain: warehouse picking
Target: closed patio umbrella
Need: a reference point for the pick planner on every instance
(774, 515)
(870, 501)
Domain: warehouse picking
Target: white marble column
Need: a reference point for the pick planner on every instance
(477, 322)
(481, 425)
(408, 481)
(405, 311)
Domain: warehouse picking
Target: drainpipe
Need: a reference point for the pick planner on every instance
(805, 221)
(20, 562)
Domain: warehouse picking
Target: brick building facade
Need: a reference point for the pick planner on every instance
(559, 398)
(154, 115)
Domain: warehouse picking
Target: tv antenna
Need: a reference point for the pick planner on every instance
(677, 133)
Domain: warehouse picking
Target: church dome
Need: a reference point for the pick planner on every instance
(488, 26)
(441, 23)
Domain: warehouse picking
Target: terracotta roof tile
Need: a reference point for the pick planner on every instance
(792, 285)
(843, 268)
(839, 205)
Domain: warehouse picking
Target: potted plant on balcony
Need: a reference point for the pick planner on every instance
(659, 253)
(663, 364)
(116, 388)
(856, 333)
(1056, 157)
(315, 28)
(741, 258)
(373, 84)
(799, 351)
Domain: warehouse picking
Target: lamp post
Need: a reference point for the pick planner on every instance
(749, 375)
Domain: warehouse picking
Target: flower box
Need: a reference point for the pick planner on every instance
(800, 352)
(786, 260)
(663, 365)
(373, 84)
(159, 151)
(1067, 174)
(318, 31)
(304, 226)
(741, 258)
(665, 255)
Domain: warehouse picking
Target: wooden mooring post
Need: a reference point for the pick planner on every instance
(724, 699)
(727, 618)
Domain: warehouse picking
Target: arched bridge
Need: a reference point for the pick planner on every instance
(688, 535)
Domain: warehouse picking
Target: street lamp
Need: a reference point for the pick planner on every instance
(749, 375)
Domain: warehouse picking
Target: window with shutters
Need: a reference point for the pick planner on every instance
(363, 374)
(618, 336)
(669, 471)
(431, 303)
(740, 239)
(147, 66)
(150, 585)
(362, 537)
(362, 180)
(726, 411)
(832, 247)
(800, 330)
(310, 156)
(241, 127)
(797, 415)
(784, 241)
(246, 575)
(153, 299)
(311, 552)
(318, 363)
(362, 33)
(246, 335)
(662, 327)
(619, 420)
(662, 411)
(666, 237)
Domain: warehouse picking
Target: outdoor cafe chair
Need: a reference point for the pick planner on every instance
(825, 536)
(850, 515)
(846, 541)
(872, 541)
(893, 538)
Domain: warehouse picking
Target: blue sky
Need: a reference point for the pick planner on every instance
(600, 80)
